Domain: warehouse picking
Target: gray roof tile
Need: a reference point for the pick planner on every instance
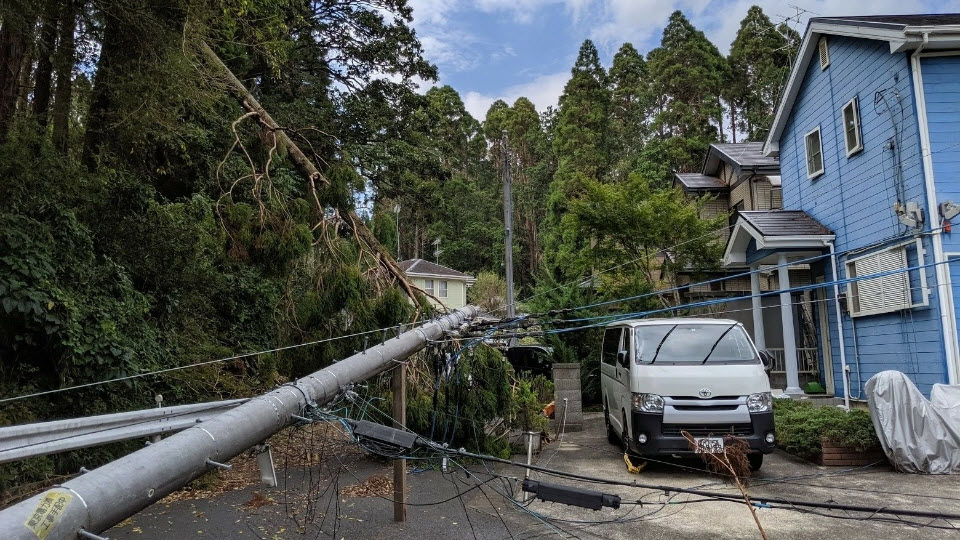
(700, 182)
(784, 223)
(749, 154)
(893, 21)
(421, 266)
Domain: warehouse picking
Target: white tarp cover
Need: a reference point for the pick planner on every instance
(918, 436)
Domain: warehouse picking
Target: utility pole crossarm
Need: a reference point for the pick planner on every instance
(97, 500)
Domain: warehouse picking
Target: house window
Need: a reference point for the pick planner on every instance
(776, 198)
(443, 288)
(851, 127)
(824, 53)
(814, 151)
(882, 294)
(428, 286)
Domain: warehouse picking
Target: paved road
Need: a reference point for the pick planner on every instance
(306, 508)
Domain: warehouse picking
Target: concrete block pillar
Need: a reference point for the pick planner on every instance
(566, 384)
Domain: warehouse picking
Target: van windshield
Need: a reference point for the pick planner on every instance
(693, 344)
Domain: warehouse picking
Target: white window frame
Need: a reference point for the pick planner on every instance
(442, 288)
(428, 286)
(852, 287)
(825, 46)
(806, 153)
(855, 105)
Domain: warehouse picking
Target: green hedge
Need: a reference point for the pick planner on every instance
(800, 425)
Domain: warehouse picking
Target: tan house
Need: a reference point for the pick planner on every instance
(743, 182)
(446, 284)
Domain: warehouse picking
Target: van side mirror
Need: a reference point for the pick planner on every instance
(623, 358)
(766, 358)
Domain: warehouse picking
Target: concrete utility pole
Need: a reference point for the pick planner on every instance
(508, 227)
(99, 499)
(398, 384)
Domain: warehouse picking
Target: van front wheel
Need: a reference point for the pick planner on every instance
(612, 437)
(756, 461)
(626, 434)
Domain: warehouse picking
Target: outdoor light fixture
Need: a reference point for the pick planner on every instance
(584, 498)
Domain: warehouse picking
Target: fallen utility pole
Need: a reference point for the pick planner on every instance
(103, 497)
(43, 438)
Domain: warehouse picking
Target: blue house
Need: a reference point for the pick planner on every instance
(868, 137)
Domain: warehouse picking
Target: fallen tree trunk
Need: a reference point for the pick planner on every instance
(306, 167)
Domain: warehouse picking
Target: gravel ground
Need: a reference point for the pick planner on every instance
(304, 505)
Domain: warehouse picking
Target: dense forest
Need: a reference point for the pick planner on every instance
(151, 214)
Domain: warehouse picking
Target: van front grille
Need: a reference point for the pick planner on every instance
(707, 408)
(706, 430)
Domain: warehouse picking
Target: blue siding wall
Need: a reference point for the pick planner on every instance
(854, 198)
(941, 89)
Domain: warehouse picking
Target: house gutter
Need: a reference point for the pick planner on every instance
(944, 297)
(836, 306)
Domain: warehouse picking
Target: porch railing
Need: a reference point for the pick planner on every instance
(806, 360)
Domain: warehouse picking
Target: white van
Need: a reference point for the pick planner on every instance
(660, 377)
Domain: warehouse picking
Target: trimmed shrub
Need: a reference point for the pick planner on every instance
(800, 426)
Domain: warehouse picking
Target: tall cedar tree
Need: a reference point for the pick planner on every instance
(629, 108)
(532, 165)
(580, 146)
(760, 58)
(16, 27)
(687, 75)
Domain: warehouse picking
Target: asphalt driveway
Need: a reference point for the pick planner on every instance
(459, 504)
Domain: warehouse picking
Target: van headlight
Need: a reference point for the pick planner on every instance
(762, 402)
(647, 403)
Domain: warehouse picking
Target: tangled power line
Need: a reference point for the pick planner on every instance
(492, 478)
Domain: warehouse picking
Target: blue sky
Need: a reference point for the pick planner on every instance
(490, 49)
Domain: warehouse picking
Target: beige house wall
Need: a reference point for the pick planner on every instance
(456, 292)
(741, 193)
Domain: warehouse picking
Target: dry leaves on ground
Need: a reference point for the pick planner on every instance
(378, 485)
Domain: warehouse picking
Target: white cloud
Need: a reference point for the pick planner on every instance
(432, 11)
(636, 21)
(543, 91)
(457, 52)
(523, 11)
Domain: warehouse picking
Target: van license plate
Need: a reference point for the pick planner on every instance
(709, 445)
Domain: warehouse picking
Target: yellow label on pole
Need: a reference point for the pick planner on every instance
(47, 512)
